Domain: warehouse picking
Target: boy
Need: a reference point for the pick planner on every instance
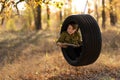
(71, 37)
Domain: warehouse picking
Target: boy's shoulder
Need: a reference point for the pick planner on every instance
(64, 32)
(77, 32)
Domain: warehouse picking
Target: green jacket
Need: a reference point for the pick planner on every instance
(72, 39)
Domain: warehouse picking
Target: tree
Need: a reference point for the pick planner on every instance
(113, 16)
(48, 15)
(2, 8)
(103, 14)
(6, 7)
(59, 5)
(56, 4)
(48, 12)
(36, 8)
(37, 17)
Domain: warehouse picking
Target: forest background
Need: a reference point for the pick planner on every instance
(29, 29)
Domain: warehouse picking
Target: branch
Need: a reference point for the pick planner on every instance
(17, 7)
(19, 1)
(3, 6)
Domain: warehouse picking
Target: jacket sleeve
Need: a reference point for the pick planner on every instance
(62, 37)
(80, 38)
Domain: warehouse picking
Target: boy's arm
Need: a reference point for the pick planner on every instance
(61, 45)
(80, 39)
(61, 38)
(68, 44)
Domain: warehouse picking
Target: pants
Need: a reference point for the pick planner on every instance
(73, 52)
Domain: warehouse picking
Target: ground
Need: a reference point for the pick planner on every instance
(33, 55)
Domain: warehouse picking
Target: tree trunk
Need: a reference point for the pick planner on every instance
(113, 17)
(103, 14)
(2, 21)
(48, 16)
(1, 10)
(60, 16)
(37, 17)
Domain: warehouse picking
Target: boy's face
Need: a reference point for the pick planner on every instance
(70, 29)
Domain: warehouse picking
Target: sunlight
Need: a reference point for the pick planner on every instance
(21, 6)
(81, 6)
(78, 5)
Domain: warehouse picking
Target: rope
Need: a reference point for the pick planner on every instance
(85, 6)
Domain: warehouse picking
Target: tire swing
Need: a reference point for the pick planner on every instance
(91, 40)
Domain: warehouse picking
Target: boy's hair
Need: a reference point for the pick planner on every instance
(74, 25)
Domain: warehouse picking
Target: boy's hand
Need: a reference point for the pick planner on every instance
(61, 45)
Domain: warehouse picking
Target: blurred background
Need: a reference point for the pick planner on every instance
(29, 30)
(49, 14)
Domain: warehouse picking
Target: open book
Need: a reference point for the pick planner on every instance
(68, 44)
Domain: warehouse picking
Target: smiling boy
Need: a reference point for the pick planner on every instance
(71, 36)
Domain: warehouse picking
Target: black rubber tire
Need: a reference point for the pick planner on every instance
(91, 37)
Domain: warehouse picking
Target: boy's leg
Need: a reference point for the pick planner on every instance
(71, 52)
(78, 51)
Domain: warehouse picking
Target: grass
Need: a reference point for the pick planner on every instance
(35, 56)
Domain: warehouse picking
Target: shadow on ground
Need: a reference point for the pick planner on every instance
(15, 44)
